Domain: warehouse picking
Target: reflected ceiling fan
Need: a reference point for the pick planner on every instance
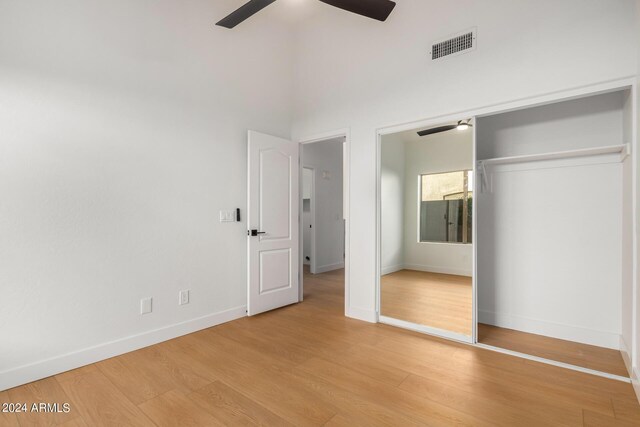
(461, 125)
(375, 9)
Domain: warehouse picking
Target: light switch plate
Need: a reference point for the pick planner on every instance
(228, 216)
(146, 305)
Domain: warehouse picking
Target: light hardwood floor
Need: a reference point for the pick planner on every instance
(307, 364)
(445, 301)
(442, 301)
(587, 356)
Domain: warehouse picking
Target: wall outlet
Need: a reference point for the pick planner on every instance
(146, 305)
(183, 297)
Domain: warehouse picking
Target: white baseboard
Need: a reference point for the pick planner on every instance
(55, 365)
(330, 267)
(392, 269)
(362, 314)
(438, 269)
(550, 329)
(626, 355)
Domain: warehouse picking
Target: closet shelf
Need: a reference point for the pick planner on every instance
(624, 150)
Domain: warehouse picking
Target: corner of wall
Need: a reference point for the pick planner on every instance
(363, 314)
(626, 355)
(392, 269)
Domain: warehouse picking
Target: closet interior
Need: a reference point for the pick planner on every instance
(554, 229)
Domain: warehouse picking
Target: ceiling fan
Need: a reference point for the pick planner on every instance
(461, 125)
(375, 9)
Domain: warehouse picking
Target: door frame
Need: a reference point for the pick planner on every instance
(312, 210)
(346, 197)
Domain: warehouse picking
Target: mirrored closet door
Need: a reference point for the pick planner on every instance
(426, 221)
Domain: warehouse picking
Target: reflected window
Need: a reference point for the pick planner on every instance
(446, 201)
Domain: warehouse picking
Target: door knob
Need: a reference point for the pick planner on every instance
(255, 232)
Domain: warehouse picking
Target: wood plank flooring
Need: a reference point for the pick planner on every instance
(442, 301)
(308, 365)
(587, 356)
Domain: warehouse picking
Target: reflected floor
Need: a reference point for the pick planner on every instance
(442, 301)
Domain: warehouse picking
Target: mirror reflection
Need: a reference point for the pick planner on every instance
(426, 220)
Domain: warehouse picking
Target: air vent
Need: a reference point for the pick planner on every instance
(454, 45)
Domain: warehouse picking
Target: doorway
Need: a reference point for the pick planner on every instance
(322, 217)
(308, 214)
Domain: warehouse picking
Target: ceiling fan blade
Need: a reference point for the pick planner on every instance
(244, 12)
(436, 130)
(375, 9)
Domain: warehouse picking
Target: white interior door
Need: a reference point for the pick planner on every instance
(272, 217)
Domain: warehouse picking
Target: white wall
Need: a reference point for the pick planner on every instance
(326, 158)
(122, 134)
(392, 182)
(361, 74)
(307, 183)
(549, 233)
(443, 152)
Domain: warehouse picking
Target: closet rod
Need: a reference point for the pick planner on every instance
(624, 151)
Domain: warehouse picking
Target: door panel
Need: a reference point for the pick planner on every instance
(273, 213)
(275, 194)
(274, 270)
